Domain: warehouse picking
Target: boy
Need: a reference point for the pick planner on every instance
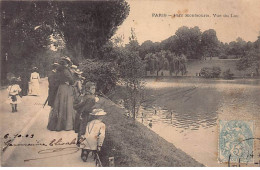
(94, 137)
(84, 106)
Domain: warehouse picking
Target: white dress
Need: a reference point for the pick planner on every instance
(34, 86)
(94, 136)
(13, 90)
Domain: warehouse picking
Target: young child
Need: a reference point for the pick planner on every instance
(84, 106)
(13, 94)
(94, 137)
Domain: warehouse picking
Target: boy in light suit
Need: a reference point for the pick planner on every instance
(94, 137)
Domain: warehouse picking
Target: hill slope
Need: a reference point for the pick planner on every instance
(136, 145)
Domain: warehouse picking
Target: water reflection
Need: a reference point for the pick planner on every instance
(194, 103)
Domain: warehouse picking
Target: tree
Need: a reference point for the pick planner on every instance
(238, 48)
(177, 64)
(25, 31)
(210, 43)
(251, 60)
(87, 26)
(146, 47)
(188, 42)
(132, 72)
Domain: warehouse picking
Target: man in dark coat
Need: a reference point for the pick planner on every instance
(53, 84)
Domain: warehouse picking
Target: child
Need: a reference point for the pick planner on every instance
(84, 106)
(94, 137)
(13, 94)
(150, 123)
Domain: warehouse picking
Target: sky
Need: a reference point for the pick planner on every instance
(156, 29)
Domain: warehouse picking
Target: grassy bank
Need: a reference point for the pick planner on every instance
(133, 144)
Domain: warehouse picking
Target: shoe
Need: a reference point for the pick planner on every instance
(84, 158)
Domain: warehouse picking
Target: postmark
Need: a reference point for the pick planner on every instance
(236, 141)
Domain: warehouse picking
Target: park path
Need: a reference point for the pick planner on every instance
(31, 119)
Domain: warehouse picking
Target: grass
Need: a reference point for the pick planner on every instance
(133, 144)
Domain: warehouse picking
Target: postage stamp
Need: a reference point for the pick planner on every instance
(236, 141)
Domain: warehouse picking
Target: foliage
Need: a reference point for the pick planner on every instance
(87, 25)
(131, 70)
(103, 74)
(251, 60)
(209, 43)
(212, 72)
(83, 27)
(165, 60)
(25, 34)
(228, 74)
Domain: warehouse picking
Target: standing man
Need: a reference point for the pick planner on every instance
(53, 84)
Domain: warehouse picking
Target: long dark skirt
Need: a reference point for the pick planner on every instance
(52, 95)
(62, 116)
(81, 123)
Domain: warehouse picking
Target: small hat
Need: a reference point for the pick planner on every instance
(66, 59)
(78, 72)
(98, 112)
(74, 66)
(13, 80)
(55, 64)
(34, 68)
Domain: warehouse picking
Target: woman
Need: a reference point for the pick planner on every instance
(34, 86)
(53, 84)
(62, 115)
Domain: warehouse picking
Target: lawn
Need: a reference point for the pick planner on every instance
(133, 144)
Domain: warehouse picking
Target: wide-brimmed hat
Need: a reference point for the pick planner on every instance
(98, 112)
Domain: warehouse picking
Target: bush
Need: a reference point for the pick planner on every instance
(208, 72)
(227, 74)
(102, 73)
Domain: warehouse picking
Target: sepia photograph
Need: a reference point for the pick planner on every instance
(130, 83)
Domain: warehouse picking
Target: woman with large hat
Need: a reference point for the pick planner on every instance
(34, 84)
(62, 115)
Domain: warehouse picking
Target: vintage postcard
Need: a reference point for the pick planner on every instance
(130, 83)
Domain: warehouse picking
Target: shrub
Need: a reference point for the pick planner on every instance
(208, 72)
(104, 74)
(227, 74)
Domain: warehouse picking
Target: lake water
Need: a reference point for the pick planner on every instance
(186, 112)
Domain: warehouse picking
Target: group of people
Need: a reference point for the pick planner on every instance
(74, 106)
(21, 87)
